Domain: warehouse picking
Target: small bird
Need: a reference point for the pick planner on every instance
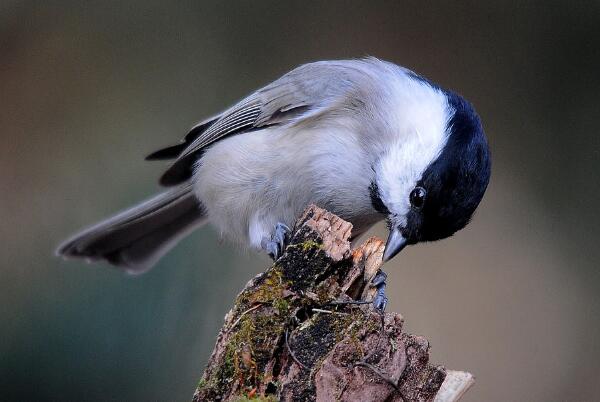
(365, 139)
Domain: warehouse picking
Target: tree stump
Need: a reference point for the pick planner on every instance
(292, 335)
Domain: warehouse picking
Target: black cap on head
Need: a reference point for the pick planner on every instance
(456, 181)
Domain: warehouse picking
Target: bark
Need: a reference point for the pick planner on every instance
(290, 337)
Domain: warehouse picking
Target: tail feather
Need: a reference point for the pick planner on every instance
(135, 239)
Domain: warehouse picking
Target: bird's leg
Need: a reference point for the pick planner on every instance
(276, 244)
(379, 301)
(378, 282)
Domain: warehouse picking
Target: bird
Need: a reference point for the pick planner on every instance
(364, 138)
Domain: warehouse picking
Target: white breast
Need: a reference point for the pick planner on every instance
(250, 182)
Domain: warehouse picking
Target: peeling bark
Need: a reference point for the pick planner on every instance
(290, 337)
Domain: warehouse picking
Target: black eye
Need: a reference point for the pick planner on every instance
(417, 197)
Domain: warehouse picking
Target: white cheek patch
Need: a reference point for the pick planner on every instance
(420, 118)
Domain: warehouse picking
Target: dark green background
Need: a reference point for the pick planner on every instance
(88, 88)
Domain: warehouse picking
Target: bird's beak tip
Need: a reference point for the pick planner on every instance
(395, 243)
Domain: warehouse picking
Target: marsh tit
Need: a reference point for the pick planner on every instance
(365, 139)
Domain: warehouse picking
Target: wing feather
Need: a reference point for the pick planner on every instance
(300, 95)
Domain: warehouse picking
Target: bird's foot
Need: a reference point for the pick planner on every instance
(276, 244)
(379, 302)
(378, 282)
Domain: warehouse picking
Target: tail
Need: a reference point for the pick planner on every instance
(135, 239)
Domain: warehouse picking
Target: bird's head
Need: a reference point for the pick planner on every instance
(429, 184)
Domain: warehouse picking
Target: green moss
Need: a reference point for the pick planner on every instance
(201, 383)
(257, 332)
(324, 294)
(259, 398)
(307, 245)
(251, 348)
(269, 289)
(310, 244)
(228, 368)
(282, 306)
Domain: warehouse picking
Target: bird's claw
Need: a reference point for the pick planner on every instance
(378, 282)
(276, 244)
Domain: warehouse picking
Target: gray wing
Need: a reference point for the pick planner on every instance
(301, 95)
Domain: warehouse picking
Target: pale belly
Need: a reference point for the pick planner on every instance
(250, 182)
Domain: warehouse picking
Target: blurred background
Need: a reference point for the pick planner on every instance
(87, 89)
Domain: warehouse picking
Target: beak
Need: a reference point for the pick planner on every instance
(395, 243)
